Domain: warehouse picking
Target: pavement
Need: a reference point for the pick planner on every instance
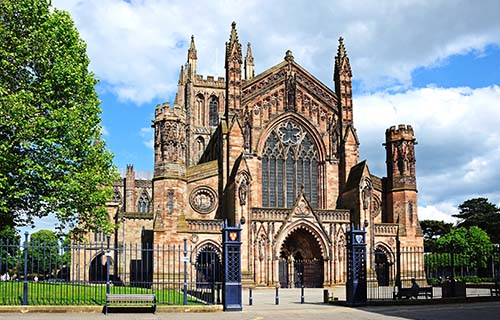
(264, 308)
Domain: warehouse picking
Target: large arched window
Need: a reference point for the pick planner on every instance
(289, 163)
(200, 110)
(143, 205)
(214, 111)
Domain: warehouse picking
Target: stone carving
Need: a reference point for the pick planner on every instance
(366, 192)
(242, 191)
(203, 199)
(404, 157)
(290, 89)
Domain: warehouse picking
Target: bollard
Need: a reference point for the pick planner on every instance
(250, 298)
(302, 295)
(277, 299)
(325, 296)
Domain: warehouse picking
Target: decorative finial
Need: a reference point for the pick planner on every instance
(234, 34)
(249, 50)
(289, 56)
(192, 49)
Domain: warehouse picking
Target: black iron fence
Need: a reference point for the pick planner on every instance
(413, 273)
(81, 274)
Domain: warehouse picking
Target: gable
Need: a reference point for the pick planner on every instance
(273, 78)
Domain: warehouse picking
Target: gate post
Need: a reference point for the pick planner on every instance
(232, 289)
(356, 267)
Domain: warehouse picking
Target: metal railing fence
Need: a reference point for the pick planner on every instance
(41, 273)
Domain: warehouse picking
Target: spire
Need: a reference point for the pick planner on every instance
(234, 34)
(191, 61)
(249, 56)
(233, 47)
(192, 50)
(249, 65)
(342, 60)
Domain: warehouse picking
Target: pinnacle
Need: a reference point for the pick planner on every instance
(192, 49)
(289, 56)
(234, 34)
(341, 52)
(249, 50)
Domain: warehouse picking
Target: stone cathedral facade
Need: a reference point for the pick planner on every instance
(277, 153)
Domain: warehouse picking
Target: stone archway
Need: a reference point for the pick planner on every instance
(301, 261)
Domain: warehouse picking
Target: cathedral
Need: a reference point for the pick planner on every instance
(278, 154)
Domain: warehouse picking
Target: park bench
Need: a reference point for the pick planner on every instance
(495, 289)
(408, 293)
(130, 300)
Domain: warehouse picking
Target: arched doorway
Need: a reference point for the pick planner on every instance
(382, 266)
(301, 261)
(98, 270)
(208, 268)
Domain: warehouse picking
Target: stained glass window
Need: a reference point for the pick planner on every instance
(289, 162)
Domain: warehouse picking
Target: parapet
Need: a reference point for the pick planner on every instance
(210, 81)
(401, 131)
(164, 111)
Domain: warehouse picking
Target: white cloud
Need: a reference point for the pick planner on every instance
(147, 136)
(440, 211)
(457, 132)
(138, 46)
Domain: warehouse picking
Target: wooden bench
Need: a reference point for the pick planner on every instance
(130, 300)
(408, 293)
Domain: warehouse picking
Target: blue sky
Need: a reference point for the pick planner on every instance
(432, 64)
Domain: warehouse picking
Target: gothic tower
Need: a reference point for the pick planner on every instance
(401, 185)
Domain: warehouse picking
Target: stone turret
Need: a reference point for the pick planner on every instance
(170, 140)
(401, 184)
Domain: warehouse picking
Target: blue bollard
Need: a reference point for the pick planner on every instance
(250, 298)
(277, 299)
(302, 295)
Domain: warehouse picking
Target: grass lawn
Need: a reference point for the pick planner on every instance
(11, 293)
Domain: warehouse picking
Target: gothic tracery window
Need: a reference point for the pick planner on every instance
(214, 111)
(289, 163)
(143, 205)
(200, 110)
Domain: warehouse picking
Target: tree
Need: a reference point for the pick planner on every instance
(433, 229)
(52, 159)
(481, 213)
(9, 248)
(472, 245)
(43, 253)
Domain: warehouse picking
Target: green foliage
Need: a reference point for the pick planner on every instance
(43, 253)
(433, 229)
(472, 243)
(9, 248)
(481, 213)
(51, 157)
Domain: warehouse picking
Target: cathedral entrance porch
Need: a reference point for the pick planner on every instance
(301, 262)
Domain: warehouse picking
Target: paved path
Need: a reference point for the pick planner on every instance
(264, 308)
